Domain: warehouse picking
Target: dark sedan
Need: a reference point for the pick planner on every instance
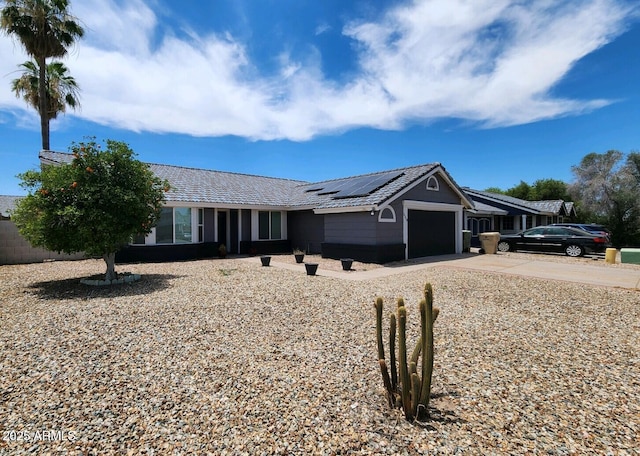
(570, 241)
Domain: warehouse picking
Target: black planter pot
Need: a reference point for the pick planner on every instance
(346, 263)
(265, 260)
(311, 268)
(299, 257)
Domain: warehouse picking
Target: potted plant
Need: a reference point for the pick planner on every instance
(265, 260)
(299, 254)
(311, 268)
(222, 251)
(346, 263)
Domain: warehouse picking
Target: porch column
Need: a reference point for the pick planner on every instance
(523, 222)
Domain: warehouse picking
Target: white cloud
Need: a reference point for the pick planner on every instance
(489, 61)
(322, 28)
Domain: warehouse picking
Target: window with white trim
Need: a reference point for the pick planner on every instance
(175, 226)
(432, 184)
(387, 214)
(200, 225)
(269, 225)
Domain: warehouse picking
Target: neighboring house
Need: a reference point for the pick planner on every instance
(379, 217)
(506, 214)
(15, 249)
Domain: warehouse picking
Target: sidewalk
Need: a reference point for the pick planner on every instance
(600, 275)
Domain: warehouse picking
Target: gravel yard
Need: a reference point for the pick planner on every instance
(228, 357)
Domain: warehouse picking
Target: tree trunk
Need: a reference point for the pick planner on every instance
(110, 259)
(43, 102)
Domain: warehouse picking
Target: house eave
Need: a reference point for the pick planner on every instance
(340, 210)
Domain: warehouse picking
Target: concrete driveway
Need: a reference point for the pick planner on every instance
(529, 265)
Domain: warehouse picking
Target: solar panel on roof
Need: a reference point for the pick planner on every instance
(365, 185)
(355, 186)
(334, 187)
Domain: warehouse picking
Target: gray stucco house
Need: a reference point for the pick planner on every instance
(379, 217)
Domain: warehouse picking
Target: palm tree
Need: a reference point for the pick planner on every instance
(61, 89)
(46, 29)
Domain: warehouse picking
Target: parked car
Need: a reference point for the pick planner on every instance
(573, 242)
(590, 227)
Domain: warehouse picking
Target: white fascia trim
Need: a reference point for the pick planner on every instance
(223, 205)
(340, 210)
(492, 212)
(439, 207)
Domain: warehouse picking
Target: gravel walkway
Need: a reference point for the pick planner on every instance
(228, 357)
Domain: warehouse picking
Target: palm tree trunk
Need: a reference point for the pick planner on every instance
(110, 259)
(42, 99)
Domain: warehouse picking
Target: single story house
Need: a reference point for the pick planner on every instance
(378, 217)
(506, 214)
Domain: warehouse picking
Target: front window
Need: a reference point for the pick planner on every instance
(164, 228)
(507, 223)
(174, 226)
(269, 225)
(182, 217)
(200, 225)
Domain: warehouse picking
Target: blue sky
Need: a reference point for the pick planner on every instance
(498, 91)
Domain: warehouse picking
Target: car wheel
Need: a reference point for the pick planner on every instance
(504, 246)
(573, 250)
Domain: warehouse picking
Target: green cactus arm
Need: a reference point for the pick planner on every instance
(426, 313)
(379, 304)
(416, 351)
(402, 353)
(415, 393)
(392, 352)
(387, 382)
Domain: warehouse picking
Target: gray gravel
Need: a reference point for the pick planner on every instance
(228, 357)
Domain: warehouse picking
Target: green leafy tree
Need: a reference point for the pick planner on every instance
(94, 204)
(62, 89)
(522, 191)
(495, 190)
(46, 29)
(549, 189)
(607, 188)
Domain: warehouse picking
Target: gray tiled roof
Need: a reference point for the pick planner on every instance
(483, 208)
(215, 187)
(547, 207)
(218, 187)
(7, 204)
(553, 206)
(203, 186)
(307, 197)
(569, 207)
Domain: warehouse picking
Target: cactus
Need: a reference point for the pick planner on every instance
(412, 391)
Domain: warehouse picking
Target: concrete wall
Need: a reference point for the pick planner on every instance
(14, 249)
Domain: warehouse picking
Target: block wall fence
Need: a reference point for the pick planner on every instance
(14, 249)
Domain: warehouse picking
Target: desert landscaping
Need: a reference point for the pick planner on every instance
(228, 357)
